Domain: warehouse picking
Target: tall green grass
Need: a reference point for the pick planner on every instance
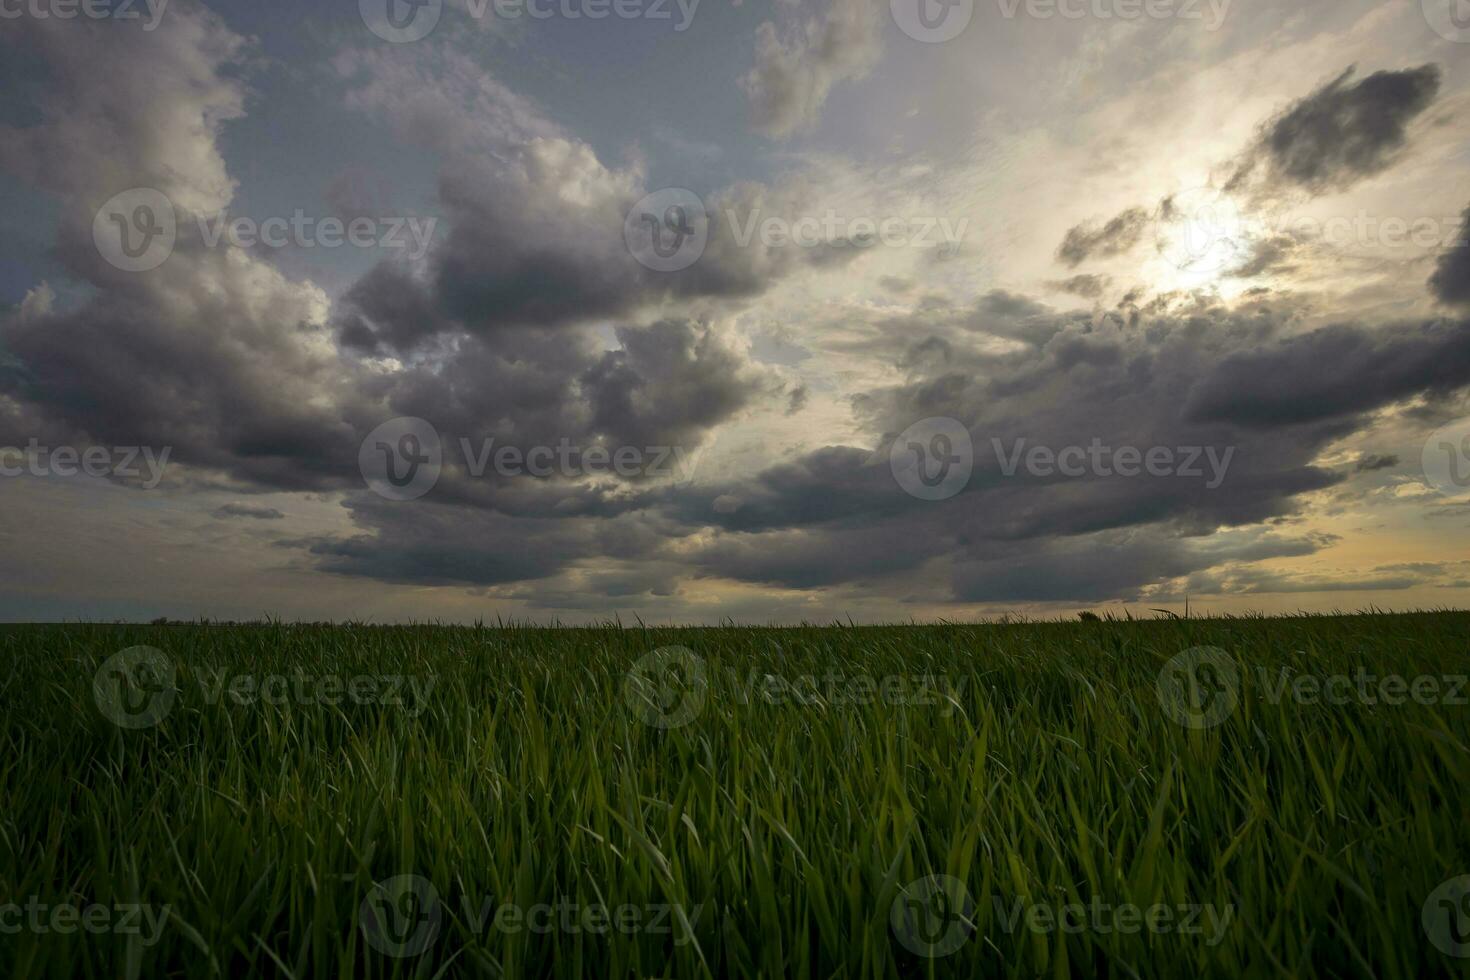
(528, 774)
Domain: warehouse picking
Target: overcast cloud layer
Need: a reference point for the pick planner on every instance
(788, 314)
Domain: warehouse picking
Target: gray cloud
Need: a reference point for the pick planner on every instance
(227, 511)
(519, 253)
(1266, 255)
(1201, 376)
(1342, 132)
(529, 323)
(214, 353)
(1372, 462)
(1451, 279)
(218, 356)
(1117, 236)
(796, 69)
(1088, 286)
(798, 399)
(1285, 383)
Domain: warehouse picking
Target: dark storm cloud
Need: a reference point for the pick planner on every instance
(807, 560)
(1117, 236)
(435, 545)
(220, 357)
(1332, 373)
(1372, 462)
(1451, 279)
(432, 543)
(1107, 566)
(503, 333)
(535, 219)
(228, 511)
(253, 396)
(1233, 380)
(213, 354)
(669, 383)
(1342, 132)
(520, 253)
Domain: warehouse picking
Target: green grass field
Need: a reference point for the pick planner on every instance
(1001, 800)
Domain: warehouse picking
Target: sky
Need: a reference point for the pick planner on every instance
(732, 310)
